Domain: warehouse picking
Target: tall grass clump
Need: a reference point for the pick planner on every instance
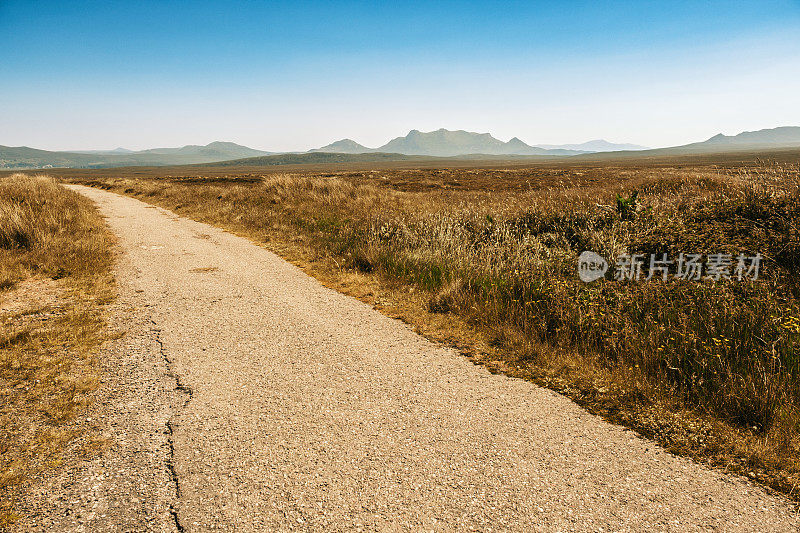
(54, 250)
(47, 230)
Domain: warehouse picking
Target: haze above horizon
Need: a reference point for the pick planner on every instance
(294, 76)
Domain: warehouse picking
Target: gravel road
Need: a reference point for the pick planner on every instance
(308, 410)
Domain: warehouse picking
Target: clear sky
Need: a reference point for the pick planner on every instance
(297, 75)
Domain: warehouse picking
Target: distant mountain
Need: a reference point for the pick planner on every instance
(446, 143)
(22, 157)
(345, 146)
(105, 152)
(598, 145)
(747, 141)
(217, 150)
(785, 136)
(516, 147)
(443, 143)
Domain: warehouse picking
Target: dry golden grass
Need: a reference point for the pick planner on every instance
(55, 262)
(486, 261)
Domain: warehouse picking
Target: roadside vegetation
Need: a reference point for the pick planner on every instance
(55, 262)
(487, 260)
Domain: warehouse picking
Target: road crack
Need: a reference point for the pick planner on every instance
(187, 393)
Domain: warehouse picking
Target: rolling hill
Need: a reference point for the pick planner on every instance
(752, 142)
(214, 150)
(782, 137)
(345, 146)
(22, 157)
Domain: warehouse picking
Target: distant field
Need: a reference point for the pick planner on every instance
(484, 257)
(533, 165)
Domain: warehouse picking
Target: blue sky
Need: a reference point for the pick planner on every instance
(291, 76)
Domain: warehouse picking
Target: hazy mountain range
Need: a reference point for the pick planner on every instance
(23, 157)
(747, 141)
(598, 145)
(783, 137)
(446, 143)
(415, 145)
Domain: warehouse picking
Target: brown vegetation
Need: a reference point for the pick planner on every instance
(55, 264)
(486, 259)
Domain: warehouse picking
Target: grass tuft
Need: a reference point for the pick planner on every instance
(55, 265)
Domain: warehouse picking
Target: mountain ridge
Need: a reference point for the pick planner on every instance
(782, 135)
(343, 146)
(440, 143)
(446, 143)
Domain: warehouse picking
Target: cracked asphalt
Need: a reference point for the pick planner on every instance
(304, 409)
